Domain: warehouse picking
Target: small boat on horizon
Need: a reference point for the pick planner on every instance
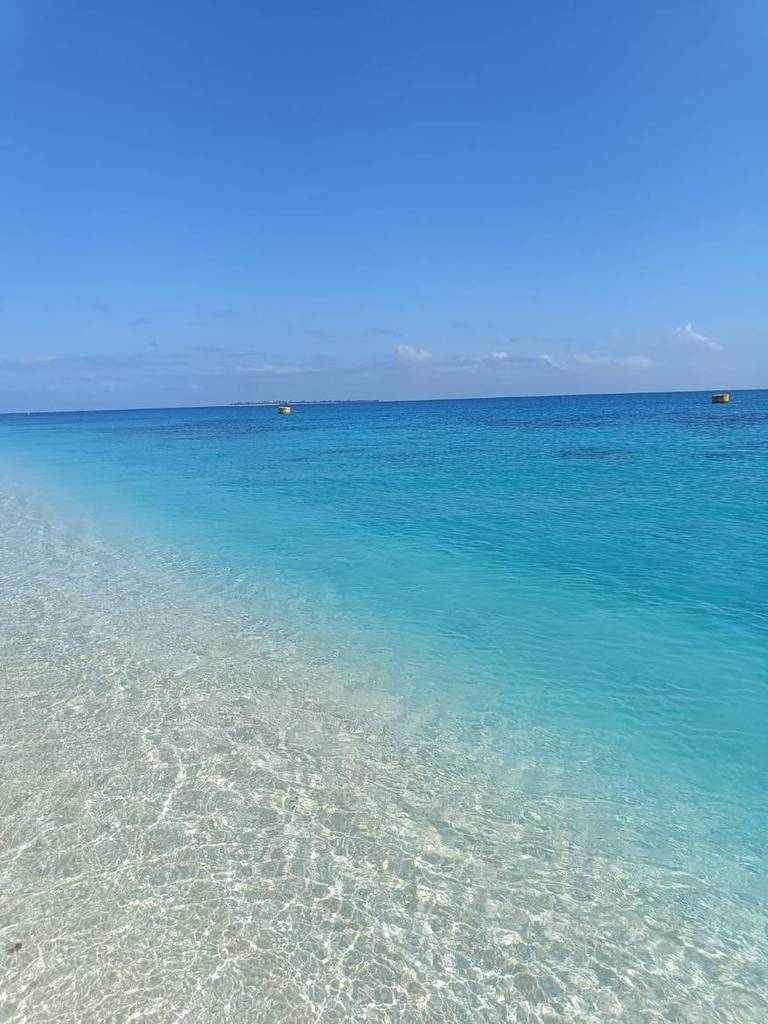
(721, 397)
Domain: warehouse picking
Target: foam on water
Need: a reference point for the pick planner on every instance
(224, 798)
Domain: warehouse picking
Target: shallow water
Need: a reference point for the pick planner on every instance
(446, 711)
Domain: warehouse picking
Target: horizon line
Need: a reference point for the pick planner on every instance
(255, 404)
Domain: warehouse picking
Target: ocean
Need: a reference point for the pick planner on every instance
(419, 712)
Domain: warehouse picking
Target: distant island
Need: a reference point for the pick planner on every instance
(317, 401)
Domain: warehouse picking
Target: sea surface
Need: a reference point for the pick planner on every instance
(401, 712)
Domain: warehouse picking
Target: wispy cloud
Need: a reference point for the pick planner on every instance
(550, 361)
(33, 360)
(30, 363)
(95, 363)
(475, 364)
(687, 333)
(409, 354)
(491, 362)
(277, 369)
(605, 359)
(487, 359)
(222, 313)
(384, 332)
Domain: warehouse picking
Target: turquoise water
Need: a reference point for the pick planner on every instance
(425, 711)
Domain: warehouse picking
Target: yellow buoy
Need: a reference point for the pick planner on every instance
(284, 409)
(724, 396)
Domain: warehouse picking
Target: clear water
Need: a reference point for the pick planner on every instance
(445, 711)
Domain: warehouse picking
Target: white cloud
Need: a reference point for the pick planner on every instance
(409, 354)
(550, 361)
(632, 362)
(687, 333)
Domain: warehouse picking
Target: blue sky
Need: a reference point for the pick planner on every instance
(206, 202)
